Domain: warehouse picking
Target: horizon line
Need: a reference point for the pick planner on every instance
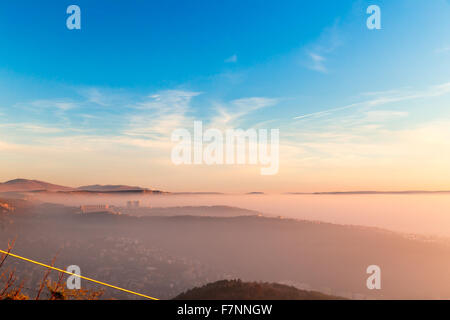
(138, 189)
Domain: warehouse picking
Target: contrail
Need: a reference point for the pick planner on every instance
(308, 115)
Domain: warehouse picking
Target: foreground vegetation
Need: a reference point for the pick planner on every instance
(12, 289)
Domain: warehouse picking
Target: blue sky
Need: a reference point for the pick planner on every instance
(138, 69)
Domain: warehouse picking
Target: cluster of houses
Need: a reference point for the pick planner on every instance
(98, 208)
(105, 208)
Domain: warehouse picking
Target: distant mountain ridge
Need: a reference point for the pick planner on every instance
(18, 185)
(110, 188)
(27, 185)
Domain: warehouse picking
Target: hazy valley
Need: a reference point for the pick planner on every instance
(163, 251)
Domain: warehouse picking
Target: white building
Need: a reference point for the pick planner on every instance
(96, 208)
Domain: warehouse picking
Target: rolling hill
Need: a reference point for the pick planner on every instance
(239, 290)
(25, 185)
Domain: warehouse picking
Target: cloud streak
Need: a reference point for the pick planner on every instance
(434, 91)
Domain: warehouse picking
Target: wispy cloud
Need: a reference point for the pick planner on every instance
(229, 114)
(160, 113)
(364, 145)
(384, 115)
(317, 52)
(39, 129)
(59, 104)
(443, 50)
(145, 120)
(231, 59)
(317, 62)
(382, 99)
(96, 96)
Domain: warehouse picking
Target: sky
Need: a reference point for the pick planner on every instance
(357, 109)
